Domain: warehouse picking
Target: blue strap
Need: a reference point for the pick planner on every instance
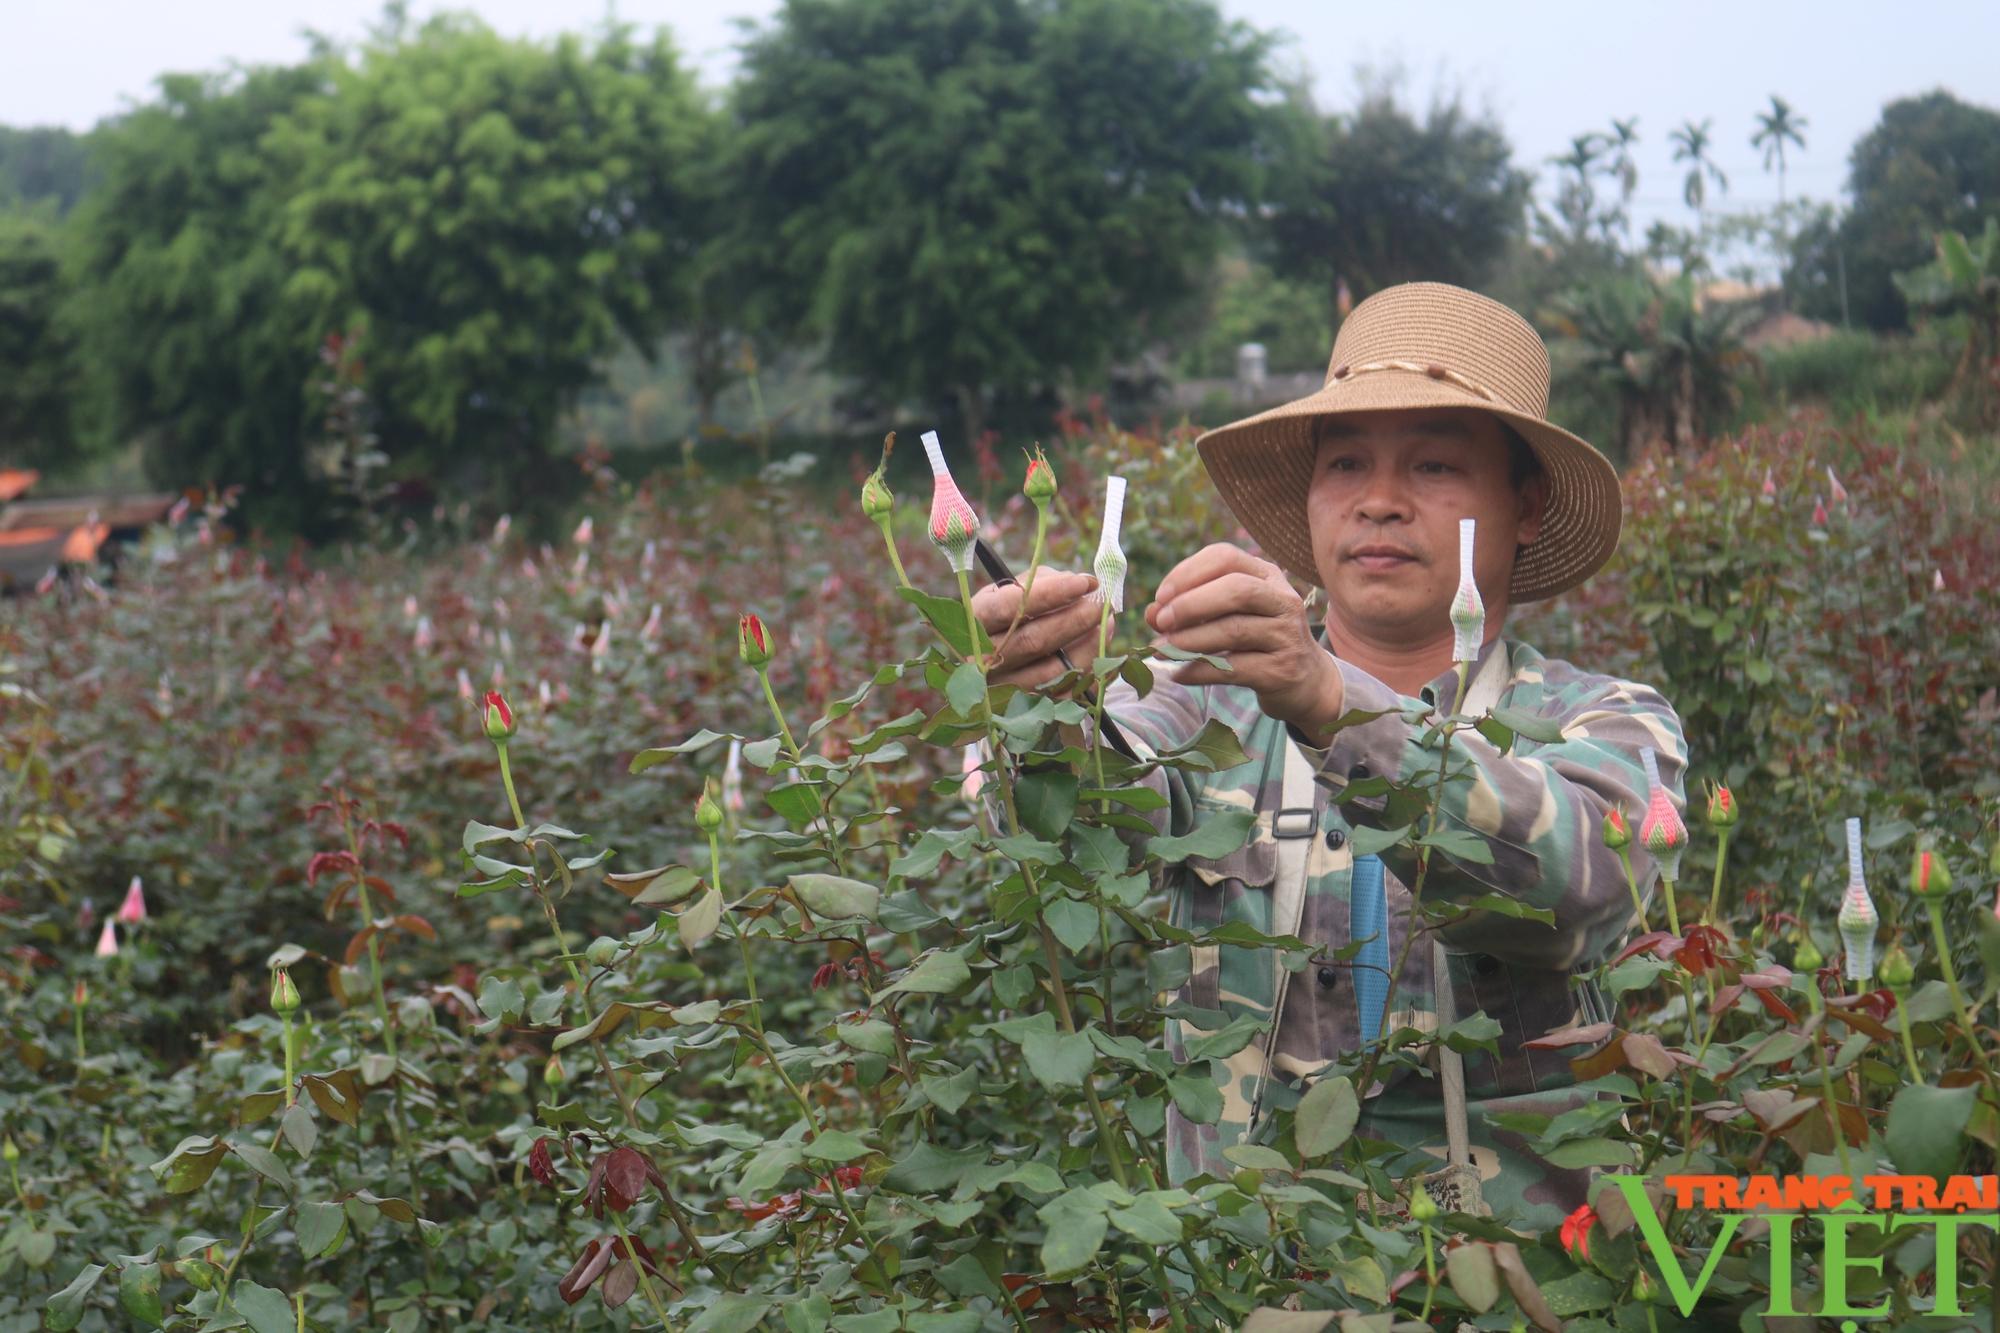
(1368, 920)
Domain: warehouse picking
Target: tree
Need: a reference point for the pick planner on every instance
(1965, 279)
(491, 216)
(971, 200)
(1576, 197)
(1691, 143)
(1379, 198)
(1932, 164)
(1776, 128)
(1621, 167)
(44, 165)
(37, 355)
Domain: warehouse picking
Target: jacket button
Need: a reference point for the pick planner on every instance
(1328, 976)
(1336, 839)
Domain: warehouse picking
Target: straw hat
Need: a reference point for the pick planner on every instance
(1425, 345)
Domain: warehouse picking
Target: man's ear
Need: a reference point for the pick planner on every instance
(1534, 503)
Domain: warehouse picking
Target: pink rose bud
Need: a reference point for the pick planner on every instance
(133, 910)
(1617, 833)
(732, 779)
(954, 527)
(584, 531)
(421, 640)
(1937, 580)
(973, 774)
(410, 607)
(752, 643)
(465, 690)
(1819, 518)
(652, 626)
(1110, 565)
(178, 513)
(1722, 809)
(1468, 610)
(499, 717)
(600, 647)
(1835, 491)
(500, 528)
(1858, 918)
(1661, 832)
(1770, 483)
(107, 942)
(80, 996)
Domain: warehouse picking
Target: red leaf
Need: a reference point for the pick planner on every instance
(624, 1178)
(1588, 1035)
(589, 1266)
(325, 863)
(1659, 943)
(416, 925)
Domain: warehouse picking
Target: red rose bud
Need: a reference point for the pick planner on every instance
(707, 814)
(1722, 810)
(1661, 832)
(753, 645)
(540, 1165)
(81, 995)
(1770, 483)
(1819, 518)
(284, 993)
(825, 975)
(133, 910)
(1576, 1232)
(1834, 489)
(499, 717)
(1617, 834)
(1930, 877)
(1040, 483)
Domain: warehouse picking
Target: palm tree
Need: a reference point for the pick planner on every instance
(1621, 167)
(1576, 201)
(1691, 143)
(1775, 128)
(1965, 279)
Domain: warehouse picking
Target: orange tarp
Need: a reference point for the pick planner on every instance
(16, 482)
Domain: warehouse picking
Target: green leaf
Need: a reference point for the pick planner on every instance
(501, 998)
(836, 1145)
(1545, 730)
(190, 1164)
(949, 1092)
(1579, 1153)
(1475, 1033)
(1365, 841)
(1218, 835)
(1362, 1275)
(1072, 922)
(1075, 1227)
(1013, 985)
(929, 1169)
(1474, 1275)
(732, 1312)
(139, 1293)
(701, 740)
(871, 1035)
(1215, 747)
(477, 835)
(966, 689)
(700, 921)
(299, 1129)
(797, 803)
(268, 1311)
(320, 1227)
(1326, 1116)
(947, 617)
(1196, 1097)
(1098, 851)
(1047, 802)
(1058, 1059)
(1926, 1130)
(1459, 844)
(65, 1309)
(1169, 968)
(266, 1164)
(1148, 1221)
(936, 973)
(836, 897)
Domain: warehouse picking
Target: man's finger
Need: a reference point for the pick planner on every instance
(1041, 636)
(997, 605)
(1233, 593)
(1231, 635)
(1209, 562)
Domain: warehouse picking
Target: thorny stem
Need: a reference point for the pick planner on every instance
(1673, 909)
(632, 1257)
(1909, 1047)
(1826, 1075)
(291, 1061)
(1715, 891)
(1430, 1270)
(1632, 883)
(1932, 910)
(1058, 991)
(895, 557)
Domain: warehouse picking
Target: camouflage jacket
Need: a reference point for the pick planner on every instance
(1539, 810)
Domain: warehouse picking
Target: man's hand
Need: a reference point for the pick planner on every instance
(1062, 613)
(1226, 602)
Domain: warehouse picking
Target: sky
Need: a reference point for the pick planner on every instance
(1547, 70)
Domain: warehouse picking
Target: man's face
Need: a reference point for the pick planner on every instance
(1387, 493)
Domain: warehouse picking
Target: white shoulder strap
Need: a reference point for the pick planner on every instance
(1294, 826)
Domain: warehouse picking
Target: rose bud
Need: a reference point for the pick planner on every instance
(1040, 483)
(553, 1072)
(1661, 832)
(1468, 610)
(133, 910)
(1858, 917)
(1836, 491)
(1722, 810)
(107, 942)
(732, 779)
(1930, 877)
(1576, 1233)
(584, 531)
(1770, 483)
(1617, 834)
(752, 644)
(954, 527)
(1897, 971)
(499, 717)
(1806, 956)
(1423, 1208)
(81, 995)
(1819, 518)
(603, 952)
(707, 814)
(284, 993)
(540, 1165)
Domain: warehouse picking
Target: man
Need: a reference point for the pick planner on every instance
(1433, 411)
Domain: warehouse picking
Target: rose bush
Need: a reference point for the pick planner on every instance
(579, 1048)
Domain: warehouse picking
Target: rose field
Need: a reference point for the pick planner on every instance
(427, 1013)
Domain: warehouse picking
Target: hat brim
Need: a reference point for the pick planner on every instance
(1262, 465)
